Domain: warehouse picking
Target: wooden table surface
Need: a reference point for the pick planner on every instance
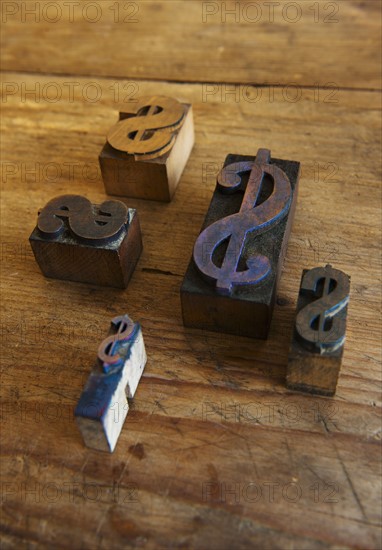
(215, 452)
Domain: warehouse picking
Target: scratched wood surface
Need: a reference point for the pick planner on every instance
(252, 42)
(215, 452)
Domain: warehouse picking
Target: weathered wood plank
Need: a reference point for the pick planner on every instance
(302, 42)
(192, 473)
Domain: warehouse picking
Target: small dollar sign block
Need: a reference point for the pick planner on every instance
(147, 149)
(317, 346)
(80, 241)
(103, 406)
(231, 281)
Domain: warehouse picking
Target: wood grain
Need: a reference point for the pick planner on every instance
(322, 42)
(211, 414)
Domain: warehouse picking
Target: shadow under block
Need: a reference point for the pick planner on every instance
(106, 261)
(103, 406)
(157, 178)
(247, 311)
(314, 366)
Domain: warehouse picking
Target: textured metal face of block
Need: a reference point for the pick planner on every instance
(231, 281)
(316, 350)
(103, 406)
(80, 241)
(148, 148)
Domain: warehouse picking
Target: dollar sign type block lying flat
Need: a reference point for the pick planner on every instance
(80, 241)
(148, 148)
(231, 281)
(317, 346)
(103, 406)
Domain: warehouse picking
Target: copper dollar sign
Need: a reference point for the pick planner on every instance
(320, 323)
(251, 218)
(108, 351)
(83, 221)
(150, 132)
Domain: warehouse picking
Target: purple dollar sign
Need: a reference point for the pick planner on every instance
(251, 218)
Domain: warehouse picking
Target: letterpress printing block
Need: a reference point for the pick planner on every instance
(147, 150)
(317, 345)
(231, 281)
(79, 241)
(103, 406)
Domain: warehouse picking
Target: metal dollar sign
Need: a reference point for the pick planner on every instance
(251, 218)
(83, 220)
(320, 323)
(108, 351)
(150, 132)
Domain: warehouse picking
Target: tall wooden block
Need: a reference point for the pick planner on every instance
(147, 150)
(231, 281)
(79, 241)
(317, 345)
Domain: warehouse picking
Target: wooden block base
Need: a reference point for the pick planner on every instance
(247, 311)
(312, 374)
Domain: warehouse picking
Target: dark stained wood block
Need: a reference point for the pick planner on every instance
(148, 167)
(79, 241)
(316, 350)
(245, 309)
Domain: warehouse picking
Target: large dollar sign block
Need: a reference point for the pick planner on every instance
(103, 406)
(79, 241)
(231, 281)
(148, 148)
(317, 346)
